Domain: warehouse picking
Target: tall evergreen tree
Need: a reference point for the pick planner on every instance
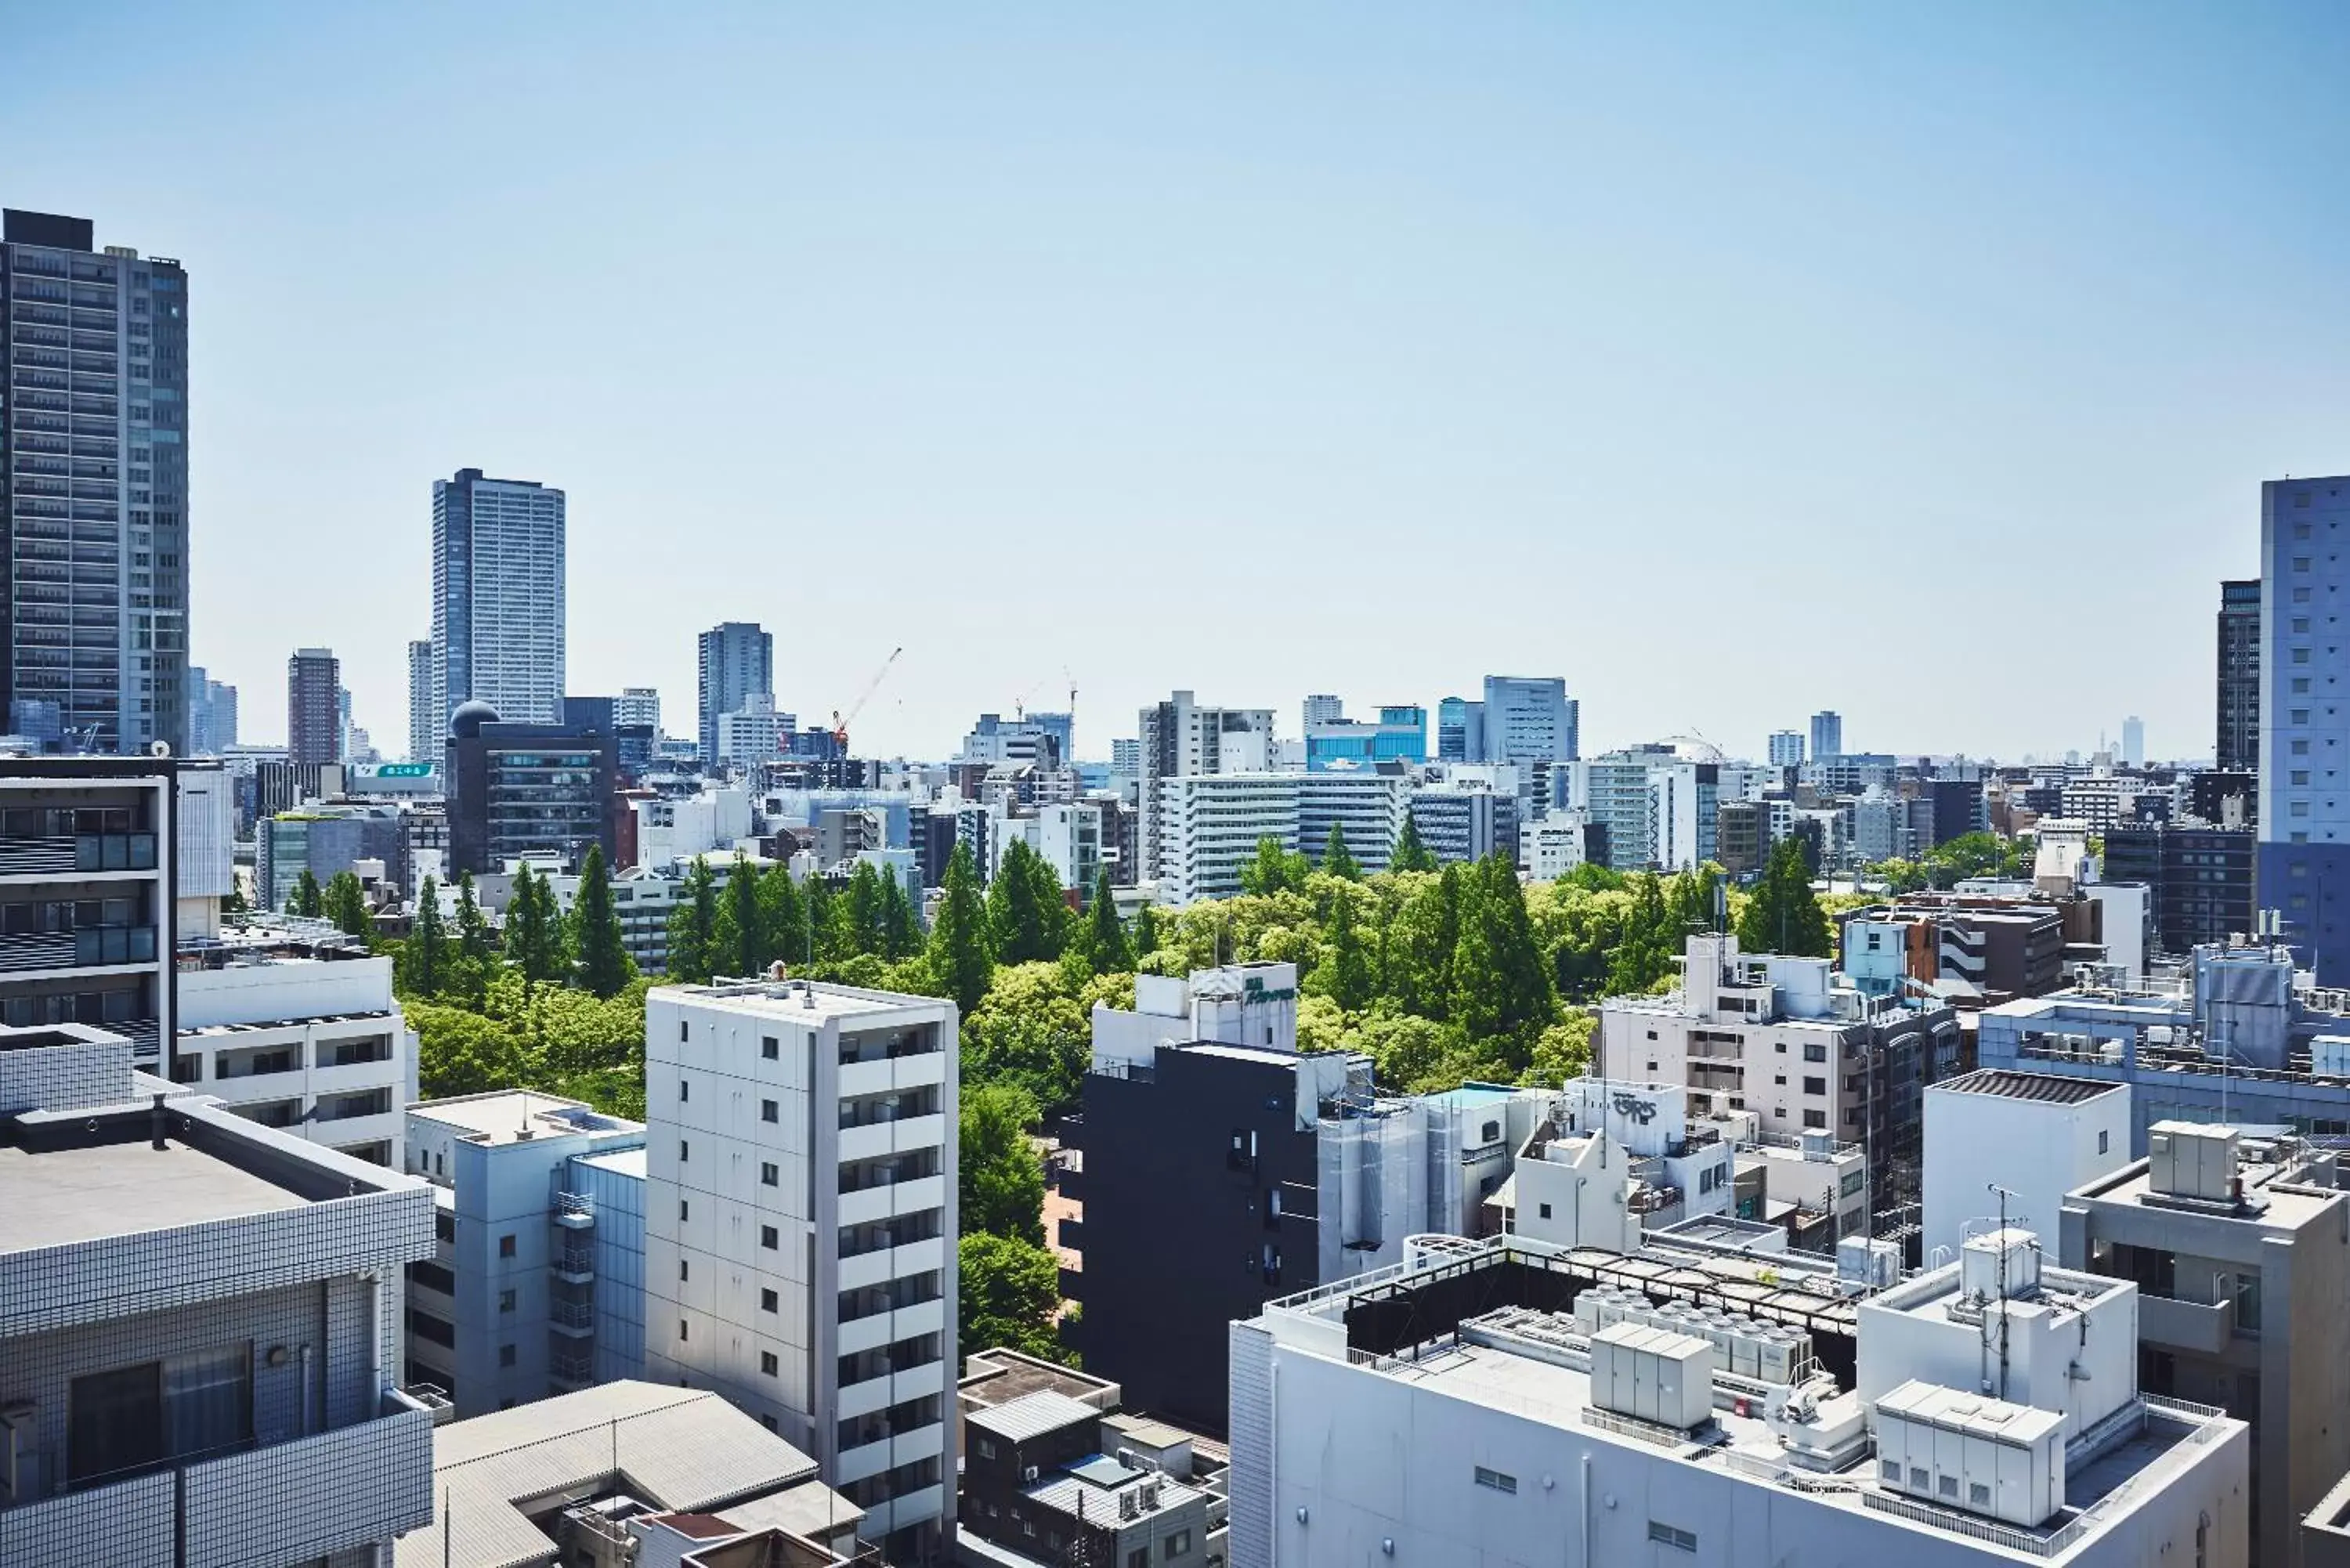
(1344, 975)
(1336, 858)
(783, 914)
(1106, 945)
(1500, 983)
(1146, 932)
(1785, 915)
(347, 906)
(1645, 953)
(533, 942)
(739, 945)
(307, 900)
(1273, 869)
(472, 926)
(693, 925)
(865, 926)
(961, 957)
(602, 957)
(901, 922)
(1409, 853)
(425, 959)
(824, 929)
(1024, 925)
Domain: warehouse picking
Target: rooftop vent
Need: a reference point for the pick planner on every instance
(2000, 1264)
(2191, 1160)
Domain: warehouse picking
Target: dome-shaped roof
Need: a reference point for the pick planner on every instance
(467, 721)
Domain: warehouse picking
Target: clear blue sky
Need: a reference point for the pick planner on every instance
(1732, 362)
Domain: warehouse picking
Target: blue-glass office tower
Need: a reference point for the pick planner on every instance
(1827, 733)
(1530, 718)
(1460, 731)
(2305, 672)
(93, 488)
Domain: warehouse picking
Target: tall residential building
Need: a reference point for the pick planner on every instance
(1321, 708)
(314, 725)
(426, 725)
(1530, 718)
(1210, 824)
(738, 664)
(198, 1360)
(2239, 735)
(2304, 799)
(1827, 733)
(2134, 741)
(637, 705)
(800, 1228)
(212, 714)
(497, 596)
(93, 488)
(1786, 748)
(1182, 739)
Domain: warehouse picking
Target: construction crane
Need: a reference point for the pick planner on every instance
(839, 723)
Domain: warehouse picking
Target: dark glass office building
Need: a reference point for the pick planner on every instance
(93, 488)
(519, 791)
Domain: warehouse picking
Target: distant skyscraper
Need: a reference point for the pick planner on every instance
(738, 663)
(1827, 733)
(1324, 709)
(1529, 719)
(2305, 811)
(2134, 741)
(426, 729)
(1786, 749)
(1460, 731)
(637, 705)
(497, 598)
(212, 714)
(95, 451)
(314, 731)
(2239, 742)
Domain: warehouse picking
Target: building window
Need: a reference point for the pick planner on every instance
(684, 1090)
(505, 1356)
(1816, 1052)
(2103, 1140)
(1854, 1180)
(770, 1175)
(1665, 1535)
(681, 1034)
(770, 1111)
(680, 1328)
(681, 1266)
(769, 1047)
(1816, 1085)
(986, 1449)
(1496, 1480)
(685, 1208)
(768, 1238)
(1546, 1210)
(505, 1246)
(1139, 1558)
(767, 1301)
(1177, 1545)
(767, 1363)
(505, 1301)
(683, 1150)
(1815, 1119)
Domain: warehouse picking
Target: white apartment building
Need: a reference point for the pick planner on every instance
(533, 1288)
(755, 732)
(1210, 824)
(1551, 846)
(1067, 836)
(1506, 1404)
(1180, 739)
(642, 899)
(292, 1024)
(198, 1327)
(670, 829)
(800, 1228)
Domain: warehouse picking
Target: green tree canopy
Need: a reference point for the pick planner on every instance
(1337, 859)
(307, 900)
(1785, 915)
(425, 958)
(1002, 1189)
(1501, 985)
(601, 964)
(1274, 869)
(472, 926)
(1008, 1292)
(1344, 972)
(738, 940)
(693, 924)
(1024, 909)
(1409, 853)
(960, 954)
(1107, 948)
(534, 937)
(345, 903)
(1146, 932)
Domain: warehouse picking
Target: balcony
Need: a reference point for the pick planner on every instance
(885, 1200)
(572, 1317)
(888, 1072)
(890, 1388)
(884, 1264)
(2198, 1326)
(574, 1265)
(82, 852)
(93, 947)
(574, 1210)
(575, 1370)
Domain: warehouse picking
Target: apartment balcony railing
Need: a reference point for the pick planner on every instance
(79, 852)
(572, 1316)
(574, 1265)
(571, 1368)
(574, 1210)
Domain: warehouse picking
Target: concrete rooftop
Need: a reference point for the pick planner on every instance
(71, 1195)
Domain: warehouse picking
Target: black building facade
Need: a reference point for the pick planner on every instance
(541, 790)
(1200, 1194)
(2239, 738)
(2201, 879)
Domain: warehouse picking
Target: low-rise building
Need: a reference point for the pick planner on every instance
(291, 1023)
(1208, 826)
(1509, 1401)
(199, 1362)
(2241, 1252)
(1551, 846)
(642, 900)
(1458, 824)
(534, 1287)
(628, 1472)
(2004, 1146)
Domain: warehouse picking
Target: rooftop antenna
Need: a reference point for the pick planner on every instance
(2005, 1194)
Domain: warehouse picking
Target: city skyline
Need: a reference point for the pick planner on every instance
(1290, 318)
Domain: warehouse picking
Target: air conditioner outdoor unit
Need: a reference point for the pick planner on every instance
(1029, 1474)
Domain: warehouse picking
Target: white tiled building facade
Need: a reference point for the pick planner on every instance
(800, 1228)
